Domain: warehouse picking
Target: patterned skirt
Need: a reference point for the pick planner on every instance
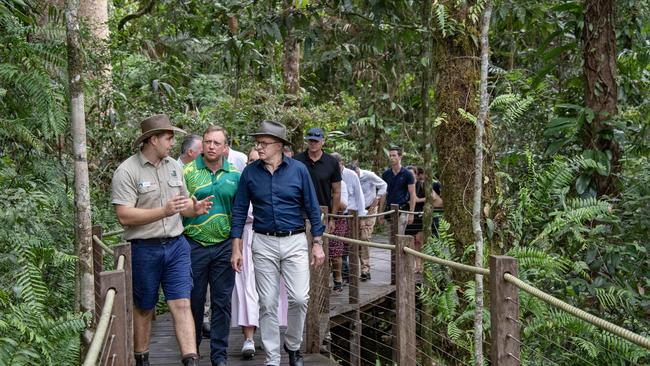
(338, 248)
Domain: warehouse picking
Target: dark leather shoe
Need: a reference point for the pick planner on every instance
(295, 357)
(191, 359)
(205, 330)
(220, 363)
(142, 359)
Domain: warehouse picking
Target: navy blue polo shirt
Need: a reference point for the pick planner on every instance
(398, 186)
(323, 172)
(278, 199)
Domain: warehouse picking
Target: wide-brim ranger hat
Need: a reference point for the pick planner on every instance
(154, 125)
(272, 128)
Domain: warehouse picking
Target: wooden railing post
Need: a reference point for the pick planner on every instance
(504, 313)
(394, 230)
(317, 323)
(405, 326)
(353, 258)
(125, 250)
(116, 344)
(355, 272)
(98, 267)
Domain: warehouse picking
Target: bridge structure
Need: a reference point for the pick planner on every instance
(383, 321)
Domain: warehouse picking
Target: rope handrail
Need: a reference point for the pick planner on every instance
(339, 216)
(578, 313)
(97, 342)
(448, 263)
(103, 245)
(376, 215)
(114, 232)
(379, 214)
(435, 210)
(360, 242)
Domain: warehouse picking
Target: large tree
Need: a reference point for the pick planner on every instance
(601, 92)
(457, 64)
(291, 70)
(82, 224)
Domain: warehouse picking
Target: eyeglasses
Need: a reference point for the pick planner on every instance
(264, 144)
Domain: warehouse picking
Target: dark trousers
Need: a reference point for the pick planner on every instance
(211, 264)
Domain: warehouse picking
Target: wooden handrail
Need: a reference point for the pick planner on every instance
(114, 309)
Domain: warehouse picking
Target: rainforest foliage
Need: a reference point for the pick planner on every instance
(567, 179)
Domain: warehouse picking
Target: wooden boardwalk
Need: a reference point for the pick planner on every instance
(164, 349)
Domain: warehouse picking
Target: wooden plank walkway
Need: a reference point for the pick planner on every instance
(164, 349)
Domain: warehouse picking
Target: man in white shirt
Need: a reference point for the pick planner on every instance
(190, 148)
(355, 200)
(374, 193)
(355, 193)
(237, 158)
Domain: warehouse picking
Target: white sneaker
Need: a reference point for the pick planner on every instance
(248, 349)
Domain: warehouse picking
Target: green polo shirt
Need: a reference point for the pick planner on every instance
(213, 227)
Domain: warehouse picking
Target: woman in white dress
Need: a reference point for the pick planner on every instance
(245, 301)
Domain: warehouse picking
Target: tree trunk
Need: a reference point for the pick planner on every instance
(458, 67)
(427, 128)
(427, 131)
(599, 52)
(83, 231)
(478, 184)
(95, 14)
(291, 74)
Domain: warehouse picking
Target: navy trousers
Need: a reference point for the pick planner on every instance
(211, 264)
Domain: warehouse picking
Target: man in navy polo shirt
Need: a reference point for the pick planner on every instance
(324, 171)
(401, 187)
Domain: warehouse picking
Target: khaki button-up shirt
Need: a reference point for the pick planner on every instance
(138, 183)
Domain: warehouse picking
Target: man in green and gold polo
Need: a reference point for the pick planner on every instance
(210, 174)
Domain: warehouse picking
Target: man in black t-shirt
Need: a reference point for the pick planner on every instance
(324, 171)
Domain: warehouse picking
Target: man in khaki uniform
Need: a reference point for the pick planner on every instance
(149, 197)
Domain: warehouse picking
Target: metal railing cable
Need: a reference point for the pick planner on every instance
(581, 314)
(573, 334)
(99, 337)
(601, 323)
(388, 333)
(106, 248)
(566, 350)
(572, 340)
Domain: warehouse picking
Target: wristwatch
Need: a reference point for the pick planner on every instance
(318, 241)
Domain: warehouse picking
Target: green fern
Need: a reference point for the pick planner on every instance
(612, 298)
(510, 108)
